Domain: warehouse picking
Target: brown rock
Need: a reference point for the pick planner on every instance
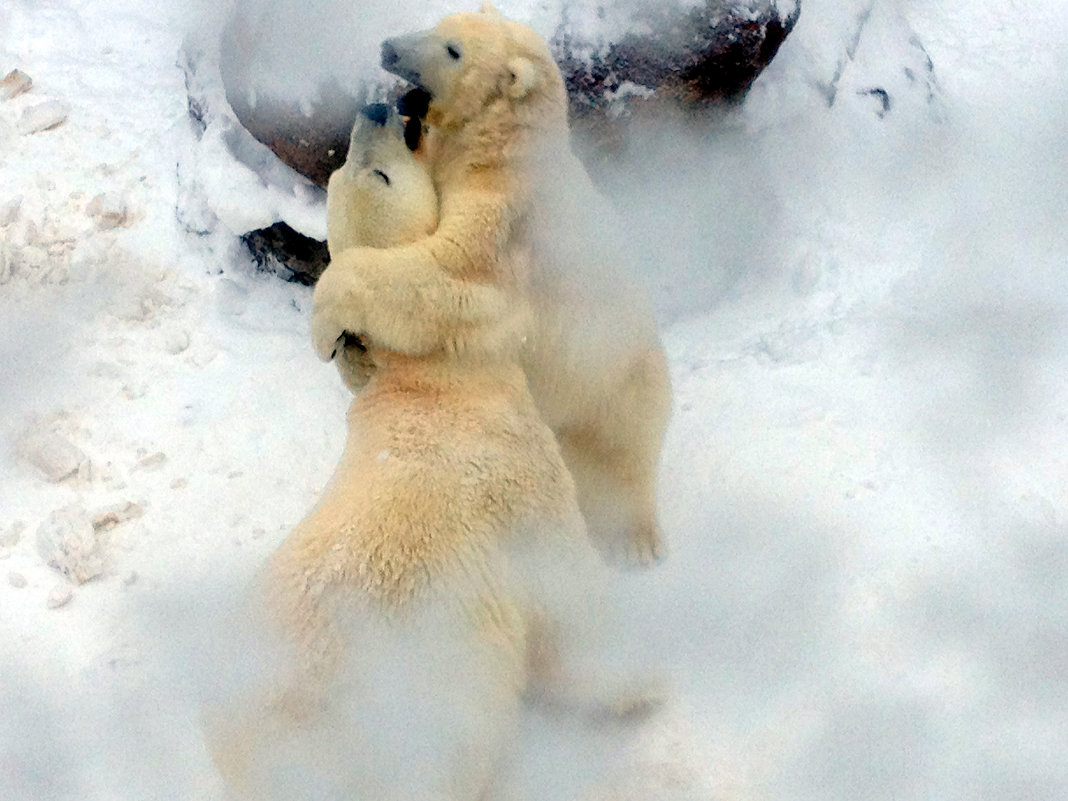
(107, 519)
(109, 211)
(15, 83)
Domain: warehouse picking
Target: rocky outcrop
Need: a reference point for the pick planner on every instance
(668, 57)
(266, 135)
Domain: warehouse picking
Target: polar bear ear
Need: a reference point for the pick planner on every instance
(489, 8)
(522, 77)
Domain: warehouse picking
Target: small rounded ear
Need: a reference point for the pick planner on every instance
(489, 8)
(522, 77)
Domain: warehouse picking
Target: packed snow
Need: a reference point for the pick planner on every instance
(861, 281)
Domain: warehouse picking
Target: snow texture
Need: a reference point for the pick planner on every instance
(861, 281)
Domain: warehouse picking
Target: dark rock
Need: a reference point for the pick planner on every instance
(673, 60)
(685, 59)
(700, 57)
(287, 253)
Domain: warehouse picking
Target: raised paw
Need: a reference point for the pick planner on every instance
(354, 363)
(331, 317)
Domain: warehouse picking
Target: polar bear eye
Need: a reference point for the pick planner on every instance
(382, 175)
(453, 50)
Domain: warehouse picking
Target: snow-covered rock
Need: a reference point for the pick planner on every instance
(859, 52)
(226, 178)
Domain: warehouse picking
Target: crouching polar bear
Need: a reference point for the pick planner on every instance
(444, 574)
(521, 226)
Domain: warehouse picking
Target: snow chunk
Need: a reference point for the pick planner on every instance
(60, 595)
(11, 537)
(69, 541)
(43, 117)
(9, 211)
(151, 461)
(53, 455)
(176, 341)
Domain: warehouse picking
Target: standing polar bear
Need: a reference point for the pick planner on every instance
(444, 573)
(521, 227)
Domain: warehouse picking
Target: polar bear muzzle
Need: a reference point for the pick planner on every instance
(401, 55)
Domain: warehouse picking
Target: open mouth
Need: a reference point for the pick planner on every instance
(414, 103)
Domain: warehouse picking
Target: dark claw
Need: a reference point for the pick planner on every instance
(352, 341)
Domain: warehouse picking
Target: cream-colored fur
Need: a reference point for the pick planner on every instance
(510, 193)
(444, 573)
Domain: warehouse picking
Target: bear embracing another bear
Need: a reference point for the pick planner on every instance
(509, 244)
(444, 574)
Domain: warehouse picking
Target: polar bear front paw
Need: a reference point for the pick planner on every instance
(333, 315)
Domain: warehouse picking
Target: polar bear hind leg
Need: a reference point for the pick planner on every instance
(613, 458)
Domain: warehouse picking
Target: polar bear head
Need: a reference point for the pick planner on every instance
(382, 196)
(475, 65)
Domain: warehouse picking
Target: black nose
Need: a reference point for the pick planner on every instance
(377, 113)
(390, 56)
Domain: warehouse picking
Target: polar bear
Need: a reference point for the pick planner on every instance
(444, 574)
(367, 206)
(516, 207)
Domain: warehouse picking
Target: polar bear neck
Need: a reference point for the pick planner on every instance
(440, 376)
(498, 137)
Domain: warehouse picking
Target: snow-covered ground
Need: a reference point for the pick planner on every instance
(864, 485)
